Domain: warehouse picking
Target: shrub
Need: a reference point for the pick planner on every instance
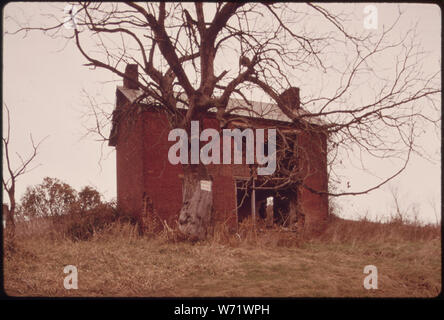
(82, 225)
(68, 213)
(50, 198)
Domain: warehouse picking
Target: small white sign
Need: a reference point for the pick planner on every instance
(269, 201)
(205, 185)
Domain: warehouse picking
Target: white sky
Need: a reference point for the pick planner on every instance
(43, 83)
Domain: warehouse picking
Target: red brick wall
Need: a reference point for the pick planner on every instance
(224, 193)
(162, 181)
(313, 160)
(143, 166)
(129, 150)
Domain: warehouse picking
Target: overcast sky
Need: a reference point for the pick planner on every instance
(43, 83)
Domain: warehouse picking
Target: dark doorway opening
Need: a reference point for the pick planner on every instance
(272, 206)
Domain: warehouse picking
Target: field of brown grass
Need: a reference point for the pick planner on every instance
(118, 262)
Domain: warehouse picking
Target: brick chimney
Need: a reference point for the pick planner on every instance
(291, 97)
(132, 74)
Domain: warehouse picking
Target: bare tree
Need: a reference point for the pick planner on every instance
(9, 178)
(399, 213)
(183, 49)
(432, 201)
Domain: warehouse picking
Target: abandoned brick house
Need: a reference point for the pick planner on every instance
(144, 171)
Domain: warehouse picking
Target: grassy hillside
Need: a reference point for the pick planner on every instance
(275, 263)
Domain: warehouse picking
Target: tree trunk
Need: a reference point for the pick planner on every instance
(196, 213)
(10, 222)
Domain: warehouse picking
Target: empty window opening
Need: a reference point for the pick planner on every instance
(271, 206)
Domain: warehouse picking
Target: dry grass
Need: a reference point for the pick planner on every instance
(119, 262)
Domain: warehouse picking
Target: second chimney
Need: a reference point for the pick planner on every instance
(291, 97)
(132, 75)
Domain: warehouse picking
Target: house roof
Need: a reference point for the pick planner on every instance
(257, 109)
